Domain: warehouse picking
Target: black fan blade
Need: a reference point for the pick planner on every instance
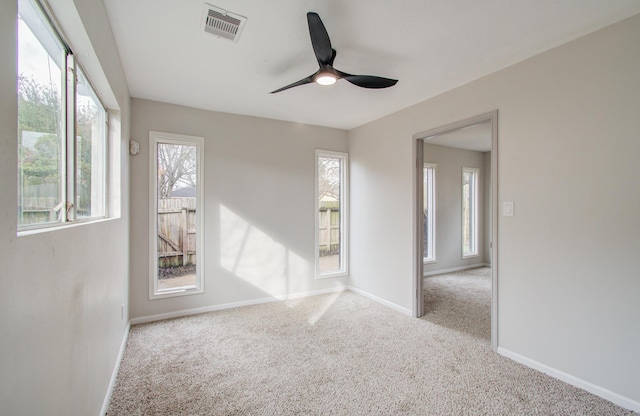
(307, 80)
(368, 81)
(333, 57)
(319, 39)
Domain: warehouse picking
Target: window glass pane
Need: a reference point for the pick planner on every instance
(469, 211)
(90, 150)
(330, 227)
(465, 213)
(41, 121)
(176, 216)
(429, 173)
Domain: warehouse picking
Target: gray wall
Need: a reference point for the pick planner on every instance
(450, 162)
(259, 179)
(62, 290)
(568, 158)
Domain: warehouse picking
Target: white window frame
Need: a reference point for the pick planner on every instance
(430, 196)
(104, 156)
(68, 156)
(473, 214)
(156, 138)
(344, 215)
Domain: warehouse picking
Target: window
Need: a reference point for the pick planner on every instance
(176, 215)
(62, 129)
(331, 213)
(429, 204)
(469, 212)
(90, 151)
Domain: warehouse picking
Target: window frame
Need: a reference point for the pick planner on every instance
(473, 214)
(344, 214)
(156, 138)
(105, 151)
(68, 158)
(431, 222)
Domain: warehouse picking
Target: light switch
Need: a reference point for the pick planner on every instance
(507, 209)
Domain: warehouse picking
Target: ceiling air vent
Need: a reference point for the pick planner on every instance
(222, 23)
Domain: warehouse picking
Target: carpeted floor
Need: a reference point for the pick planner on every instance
(461, 301)
(339, 354)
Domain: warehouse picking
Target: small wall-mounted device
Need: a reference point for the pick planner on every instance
(134, 147)
(507, 209)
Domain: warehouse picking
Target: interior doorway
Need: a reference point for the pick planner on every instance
(456, 191)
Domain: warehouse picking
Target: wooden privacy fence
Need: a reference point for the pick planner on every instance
(329, 228)
(35, 210)
(176, 232)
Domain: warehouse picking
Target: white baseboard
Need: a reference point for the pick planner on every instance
(616, 398)
(456, 269)
(381, 301)
(114, 373)
(187, 312)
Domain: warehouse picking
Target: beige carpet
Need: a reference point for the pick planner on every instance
(339, 354)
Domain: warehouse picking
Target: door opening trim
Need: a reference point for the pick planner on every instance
(418, 218)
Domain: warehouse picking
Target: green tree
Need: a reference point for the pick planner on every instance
(40, 131)
(86, 117)
(39, 111)
(40, 164)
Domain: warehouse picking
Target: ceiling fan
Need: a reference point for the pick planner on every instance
(327, 74)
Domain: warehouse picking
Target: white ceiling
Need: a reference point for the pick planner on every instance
(431, 46)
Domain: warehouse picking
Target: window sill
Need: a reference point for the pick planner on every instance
(331, 275)
(175, 293)
(62, 226)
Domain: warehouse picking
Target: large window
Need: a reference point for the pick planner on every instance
(331, 213)
(176, 215)
(469, 212)
(89, 150)
(62, 129)
(429, 204)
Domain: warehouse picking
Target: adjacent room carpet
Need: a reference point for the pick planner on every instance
(339, 354)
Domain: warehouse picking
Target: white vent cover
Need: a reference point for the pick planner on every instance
(222, 23)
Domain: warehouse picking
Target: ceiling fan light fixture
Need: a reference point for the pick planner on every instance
(326, 78)
(325, 54)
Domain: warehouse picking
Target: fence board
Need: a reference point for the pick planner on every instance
(176, 232)
(329, 230)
